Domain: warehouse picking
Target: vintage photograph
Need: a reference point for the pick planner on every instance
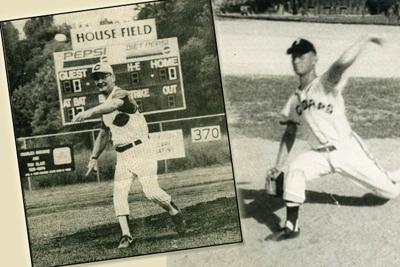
(121, 132)
(313, 114)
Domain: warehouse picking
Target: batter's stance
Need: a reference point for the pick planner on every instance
(318, 106)
(128, 130)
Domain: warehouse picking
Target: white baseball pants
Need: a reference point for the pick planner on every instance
(350, 159)
(139, 162)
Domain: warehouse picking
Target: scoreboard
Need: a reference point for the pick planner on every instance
(149, 69)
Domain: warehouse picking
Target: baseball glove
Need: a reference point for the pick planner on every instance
(274, 182)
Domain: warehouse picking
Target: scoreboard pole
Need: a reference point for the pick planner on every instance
(29, 184)
(29, 178)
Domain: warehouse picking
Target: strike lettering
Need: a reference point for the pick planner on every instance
(142, 93)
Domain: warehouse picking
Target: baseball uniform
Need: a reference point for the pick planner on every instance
(136, 154)
(334, 146)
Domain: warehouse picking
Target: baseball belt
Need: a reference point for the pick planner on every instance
(122, 148)
(325, 149)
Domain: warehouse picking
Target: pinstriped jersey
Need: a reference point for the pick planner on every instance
(126, 123)
(322, 114)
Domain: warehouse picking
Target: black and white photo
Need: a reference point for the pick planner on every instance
(121, 133)
(272, 63)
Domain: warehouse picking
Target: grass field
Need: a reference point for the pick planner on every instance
(253, 104)
(76, 223)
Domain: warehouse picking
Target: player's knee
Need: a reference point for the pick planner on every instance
(150, 195)
(388, 194)
(121, 185)
(157, 196)
(296, 177)
(120, 200)
(121, 205)
(294, 186)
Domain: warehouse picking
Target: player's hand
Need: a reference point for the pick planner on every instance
(92, 166)
(272, 172)
(274, 182)
(81, 116)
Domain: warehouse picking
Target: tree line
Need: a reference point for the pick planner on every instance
(373, 7)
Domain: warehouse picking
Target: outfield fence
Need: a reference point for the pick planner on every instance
(205, 143)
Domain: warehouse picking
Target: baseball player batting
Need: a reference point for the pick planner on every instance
(136, 155)
(318, 106)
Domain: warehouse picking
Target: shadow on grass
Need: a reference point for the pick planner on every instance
(208, 223)
(262, 207)
(73, 204)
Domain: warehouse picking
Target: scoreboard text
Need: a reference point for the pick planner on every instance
(150, 70)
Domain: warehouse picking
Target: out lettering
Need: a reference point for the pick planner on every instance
(169, 89)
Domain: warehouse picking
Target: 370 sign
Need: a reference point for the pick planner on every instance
(206, 134)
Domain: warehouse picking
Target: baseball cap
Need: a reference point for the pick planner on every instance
(101, 68)
(301, 46)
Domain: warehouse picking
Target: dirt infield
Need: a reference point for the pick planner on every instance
(76, 223)
(361, 231)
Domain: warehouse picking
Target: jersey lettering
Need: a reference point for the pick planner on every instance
(310, 103)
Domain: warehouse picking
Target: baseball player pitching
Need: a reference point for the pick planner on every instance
(127, 127)
(318, 106)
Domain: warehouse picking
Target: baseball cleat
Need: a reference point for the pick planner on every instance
(125, 241)
(284, 234)
(179, 222)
